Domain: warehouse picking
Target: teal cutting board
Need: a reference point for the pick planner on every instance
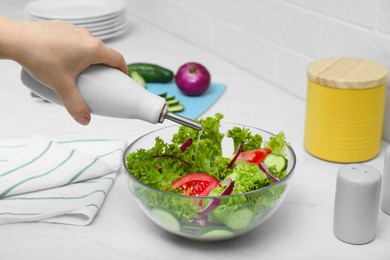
(194, 107)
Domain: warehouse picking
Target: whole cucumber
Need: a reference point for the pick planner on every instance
(151, 72)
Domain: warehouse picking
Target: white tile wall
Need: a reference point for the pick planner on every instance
(276, 39)
(384, 16)
(245, 49)
(359, 12)
(284, 25)
(190, 24)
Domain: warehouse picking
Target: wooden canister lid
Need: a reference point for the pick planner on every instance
(347, 73)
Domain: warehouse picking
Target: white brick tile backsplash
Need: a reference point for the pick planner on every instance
(145, 9)
(384, 16)
(186, 23)
(345, 40)
(291, 74)
(247, 50)
(284, 24)
(360, 12)
(276, 39)
(228, 10)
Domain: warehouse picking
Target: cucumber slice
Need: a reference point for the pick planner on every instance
(138, 78)
(176, 108)
(163, 94)
(169, 98)
(232, 176)
(172, 102)
(165, 219)
(218, 233)
(277, 161)
(239, 219)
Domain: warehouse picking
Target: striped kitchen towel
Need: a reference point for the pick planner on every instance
(56, 181)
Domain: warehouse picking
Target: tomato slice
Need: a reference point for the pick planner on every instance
(254, 156)
(196, 184)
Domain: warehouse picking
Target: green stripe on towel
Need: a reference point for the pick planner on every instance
(93, 205)
(109, 153)
(37, 176)
(82, 171)
(97, 180)
(12, 146)
(19, 214)
(57, 198)
(85, 140)
(28, 163)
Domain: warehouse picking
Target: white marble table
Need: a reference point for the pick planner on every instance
(301, 229)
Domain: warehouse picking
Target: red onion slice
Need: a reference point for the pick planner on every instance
(186, 144)
(229, 187)
(215, 202)
(239, 150)
(264, 168)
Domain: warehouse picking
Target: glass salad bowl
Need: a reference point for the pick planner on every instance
(212, 217)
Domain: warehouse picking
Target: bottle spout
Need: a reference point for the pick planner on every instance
(180, 119)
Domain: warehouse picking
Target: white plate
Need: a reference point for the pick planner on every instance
(111, 34)
(74, 10)
(109, 25)
(113, 29)
(96, 26)
(103, 22)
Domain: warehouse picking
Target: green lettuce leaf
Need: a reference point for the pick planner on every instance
(245, 137)
(277, 144)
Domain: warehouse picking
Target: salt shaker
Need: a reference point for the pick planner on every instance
(385, 203)
(357, 203)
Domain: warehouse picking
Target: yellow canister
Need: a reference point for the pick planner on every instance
(344, 109)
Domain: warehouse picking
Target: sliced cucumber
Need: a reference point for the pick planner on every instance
(172, 102)
(218, 233)
(165, 219)
(138, 78)
(277, 161)
(239, 219)
(175, 108)
(232, 176)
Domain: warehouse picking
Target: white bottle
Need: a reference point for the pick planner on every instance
(109, 92)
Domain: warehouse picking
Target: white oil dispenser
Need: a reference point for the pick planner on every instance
(109, 92)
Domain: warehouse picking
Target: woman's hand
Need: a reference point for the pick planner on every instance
(55, 53)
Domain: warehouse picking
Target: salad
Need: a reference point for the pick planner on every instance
(193, 165)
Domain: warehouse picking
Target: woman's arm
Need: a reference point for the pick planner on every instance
(55, 53)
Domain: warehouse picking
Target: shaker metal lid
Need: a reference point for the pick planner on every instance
(347, 73)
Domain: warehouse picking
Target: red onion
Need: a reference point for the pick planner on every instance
(193, 79)
(215, 202)
(264, 168)
(186, 144)
(239, 150)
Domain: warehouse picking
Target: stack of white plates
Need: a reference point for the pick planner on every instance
(103, 18)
